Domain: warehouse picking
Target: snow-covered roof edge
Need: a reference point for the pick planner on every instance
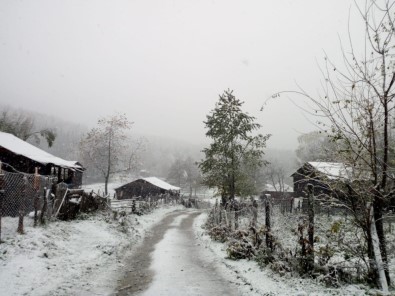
(156, 182)
(333, 170)
(20, 147)
(160, 183)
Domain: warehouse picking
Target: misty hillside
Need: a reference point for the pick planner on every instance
(156, 156)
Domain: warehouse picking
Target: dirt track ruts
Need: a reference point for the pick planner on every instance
(196, 277)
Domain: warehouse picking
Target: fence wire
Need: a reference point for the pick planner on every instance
(23, 193)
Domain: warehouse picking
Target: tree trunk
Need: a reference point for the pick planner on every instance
(372, 273)
(310, 204)
(106, 186)
(377, 252)
(378, 217)
(269, 242)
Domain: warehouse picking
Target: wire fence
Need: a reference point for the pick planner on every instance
(23, 193)
(307, 236)
(250, 213)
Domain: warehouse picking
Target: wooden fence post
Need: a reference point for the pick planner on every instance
(269, 241)
(215, 212)
(134, 206)
(291, 209)
(46, 193)
(226, 218)
(254, 212)
(36, 186)
(310, 205)
(35, 210)
(1, 196)
(61, 192)
(220, 214)
(237, 212)
(22, 205)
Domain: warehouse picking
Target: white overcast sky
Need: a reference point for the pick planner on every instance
(164, 62)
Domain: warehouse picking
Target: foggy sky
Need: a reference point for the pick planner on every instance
(164, 62)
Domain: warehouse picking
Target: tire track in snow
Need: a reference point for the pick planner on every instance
(171, 262)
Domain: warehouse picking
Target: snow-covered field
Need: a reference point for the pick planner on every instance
(79, 257)
(99, 187)
(254, 281)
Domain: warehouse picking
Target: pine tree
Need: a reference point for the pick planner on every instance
(235, 150)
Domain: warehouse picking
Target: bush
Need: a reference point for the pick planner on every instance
(219, 233)
(240, 249)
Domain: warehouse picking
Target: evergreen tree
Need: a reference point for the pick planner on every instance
(235, 150)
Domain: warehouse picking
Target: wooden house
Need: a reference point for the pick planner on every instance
(321, 175)
(18, 155)
(143, 187)
(328, 180)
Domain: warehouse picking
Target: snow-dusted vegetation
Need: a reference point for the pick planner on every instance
(340, 256)
(120, 127)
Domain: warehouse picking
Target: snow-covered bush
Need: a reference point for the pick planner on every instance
(219, 233)
(240, 249)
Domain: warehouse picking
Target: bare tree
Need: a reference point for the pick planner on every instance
(106, 147)
(356, 107)
(22, 126)
(275, 176)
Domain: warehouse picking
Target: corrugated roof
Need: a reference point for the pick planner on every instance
(20, 147)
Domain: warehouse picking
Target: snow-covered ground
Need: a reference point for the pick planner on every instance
(254, 281)
(99, 188)
(85, 256)
(79, 257)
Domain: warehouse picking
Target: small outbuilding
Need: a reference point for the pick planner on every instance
(320, 175)
(18, 155)
(143, 187)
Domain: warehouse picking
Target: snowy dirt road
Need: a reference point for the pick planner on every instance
(170, 261)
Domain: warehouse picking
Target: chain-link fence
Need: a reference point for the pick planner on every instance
(23, 193)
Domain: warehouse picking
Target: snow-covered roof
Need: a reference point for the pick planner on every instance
(333, 170)
(160, 183)
(156, 182)
(20, 147)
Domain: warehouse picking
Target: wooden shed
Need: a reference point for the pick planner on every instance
(18, 155)
(143, 187)
(320, 175)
